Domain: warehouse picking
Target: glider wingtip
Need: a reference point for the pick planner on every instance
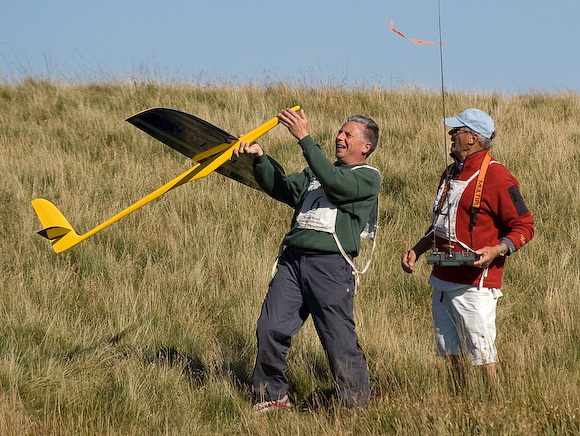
(55, 225)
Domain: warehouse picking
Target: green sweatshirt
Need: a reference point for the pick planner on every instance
(354, 193)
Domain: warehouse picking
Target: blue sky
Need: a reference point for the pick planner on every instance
(498, 45)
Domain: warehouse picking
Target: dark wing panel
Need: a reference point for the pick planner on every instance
(183, 132)
(191, 135)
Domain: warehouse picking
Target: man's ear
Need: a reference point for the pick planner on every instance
(474, 137)
(366, 148)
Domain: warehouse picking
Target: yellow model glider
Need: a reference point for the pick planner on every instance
(210, 147)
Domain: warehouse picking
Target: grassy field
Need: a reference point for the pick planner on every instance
(148, 327)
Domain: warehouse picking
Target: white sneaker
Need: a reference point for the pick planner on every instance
(267, 406)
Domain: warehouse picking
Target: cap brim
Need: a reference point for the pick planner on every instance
(453, 122)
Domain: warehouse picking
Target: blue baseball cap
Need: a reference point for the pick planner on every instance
(475, 119)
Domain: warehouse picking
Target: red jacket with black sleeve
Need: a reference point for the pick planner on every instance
(503, 216)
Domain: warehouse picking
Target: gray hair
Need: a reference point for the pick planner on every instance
(486, 143)
(371, 130)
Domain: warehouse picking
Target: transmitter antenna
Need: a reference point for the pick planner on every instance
(449, 258)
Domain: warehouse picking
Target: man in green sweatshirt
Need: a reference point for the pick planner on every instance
(332, 203)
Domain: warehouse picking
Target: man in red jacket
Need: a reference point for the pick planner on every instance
(478, 209)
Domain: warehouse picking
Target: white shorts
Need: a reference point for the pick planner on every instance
(464, 321)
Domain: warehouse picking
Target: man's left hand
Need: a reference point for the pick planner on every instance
(488, 256)
(297, 124)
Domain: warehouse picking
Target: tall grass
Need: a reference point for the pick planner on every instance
(148, 326)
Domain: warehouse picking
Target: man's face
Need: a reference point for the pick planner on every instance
(351, 147)
(461, 143)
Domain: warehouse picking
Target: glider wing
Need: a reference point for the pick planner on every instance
(196, 139)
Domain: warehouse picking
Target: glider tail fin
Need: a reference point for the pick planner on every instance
(56, 228)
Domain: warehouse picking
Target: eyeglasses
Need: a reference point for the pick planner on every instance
(457, 131)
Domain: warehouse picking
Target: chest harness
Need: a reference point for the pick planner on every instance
(447, 203)
(318, 213)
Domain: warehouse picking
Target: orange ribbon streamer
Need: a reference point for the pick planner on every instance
(414, 40)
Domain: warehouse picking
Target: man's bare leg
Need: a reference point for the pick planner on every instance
(492, 373)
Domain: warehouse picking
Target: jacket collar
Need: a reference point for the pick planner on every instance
(473, 161)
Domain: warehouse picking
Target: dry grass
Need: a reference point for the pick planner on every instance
(148, 327)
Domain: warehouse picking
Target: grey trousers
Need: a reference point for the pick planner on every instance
(321, 286)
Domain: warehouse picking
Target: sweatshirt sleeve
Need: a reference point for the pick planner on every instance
(277, 185)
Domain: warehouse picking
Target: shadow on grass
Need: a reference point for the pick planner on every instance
(193, 368)
(321, 399)
(112, 341)
(238, 366)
